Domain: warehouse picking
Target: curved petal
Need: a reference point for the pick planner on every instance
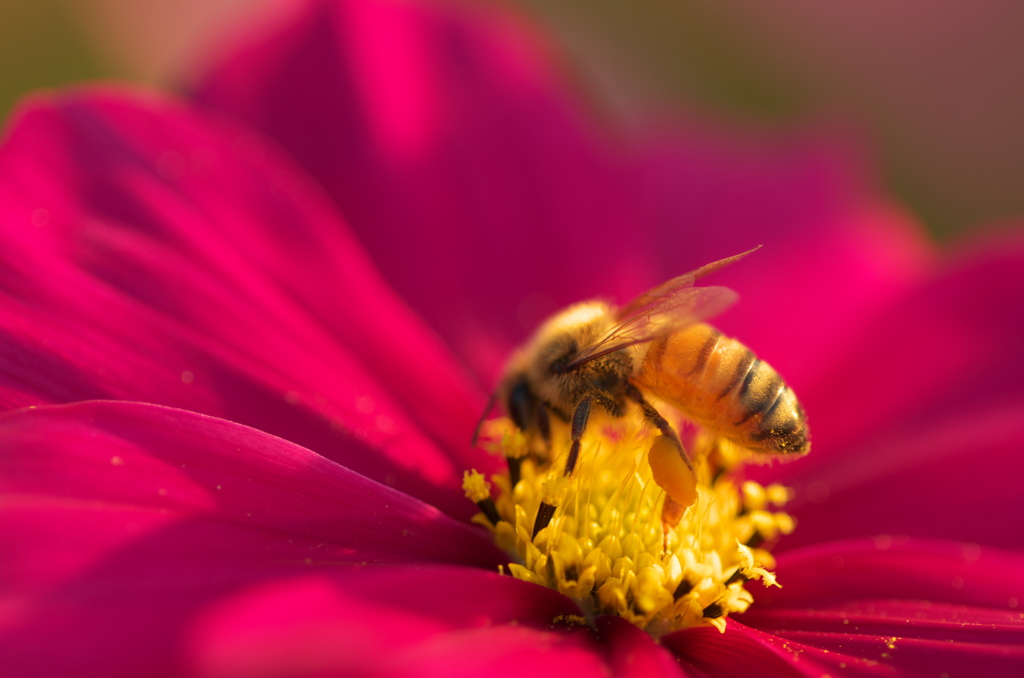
(441, 135)
(632, 652)
(743, 651)
(943, 351)
(391, 621)
(959, 479)
(832, 573)
(503, 652)
(913, 605)
(832, 252)
(490, 198)
(122, 521)
(920, 430)
(155, 253)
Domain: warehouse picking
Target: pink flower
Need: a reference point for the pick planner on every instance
(230, 448)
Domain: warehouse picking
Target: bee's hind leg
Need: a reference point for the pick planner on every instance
(673, 470)
(655, 419)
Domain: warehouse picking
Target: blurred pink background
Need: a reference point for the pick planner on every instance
(933, 90)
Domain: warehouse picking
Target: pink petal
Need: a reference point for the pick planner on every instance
(959, 479)
(502, 652)
(832, 253)
(742, 651)
(439, 622)
(123, 521)
(632, 651)
(913, 605)
(897, 568)
(919, 431)
(448, 145)
(227, 286)
(943, 351)
(392, 621)
(489, 198)
(912, 657)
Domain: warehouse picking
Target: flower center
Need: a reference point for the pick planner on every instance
(606, 544)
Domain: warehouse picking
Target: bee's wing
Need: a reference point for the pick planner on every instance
(670, 288)
(677, 308)
(664, 309)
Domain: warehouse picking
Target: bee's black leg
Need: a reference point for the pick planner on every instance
(521, 405)
(526, 410)
(579, 424)
(672, 511)
(544, 422)
(654, 418)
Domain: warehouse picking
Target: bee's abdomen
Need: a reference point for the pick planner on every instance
(720, 383)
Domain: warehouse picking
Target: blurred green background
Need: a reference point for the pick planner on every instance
(932, 89)
(40, 46)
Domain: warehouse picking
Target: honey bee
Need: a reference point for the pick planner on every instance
(593, 354)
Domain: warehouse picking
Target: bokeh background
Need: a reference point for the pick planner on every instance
(931, 90)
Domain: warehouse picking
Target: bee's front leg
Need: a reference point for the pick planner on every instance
(544, 424)
(579, 425)
(530, 416)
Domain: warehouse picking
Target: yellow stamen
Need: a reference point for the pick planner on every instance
(478, 491)
(605, 544)
(476, 488)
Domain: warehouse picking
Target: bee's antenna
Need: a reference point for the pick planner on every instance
(483, 417)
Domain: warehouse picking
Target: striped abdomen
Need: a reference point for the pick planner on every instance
(719, 383)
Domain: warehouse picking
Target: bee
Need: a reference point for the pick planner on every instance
(594, 355)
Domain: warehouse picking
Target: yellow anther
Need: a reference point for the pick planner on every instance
(476, 488)
(754, 496)
(778, 495)
(553, 490)
(514, 445)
